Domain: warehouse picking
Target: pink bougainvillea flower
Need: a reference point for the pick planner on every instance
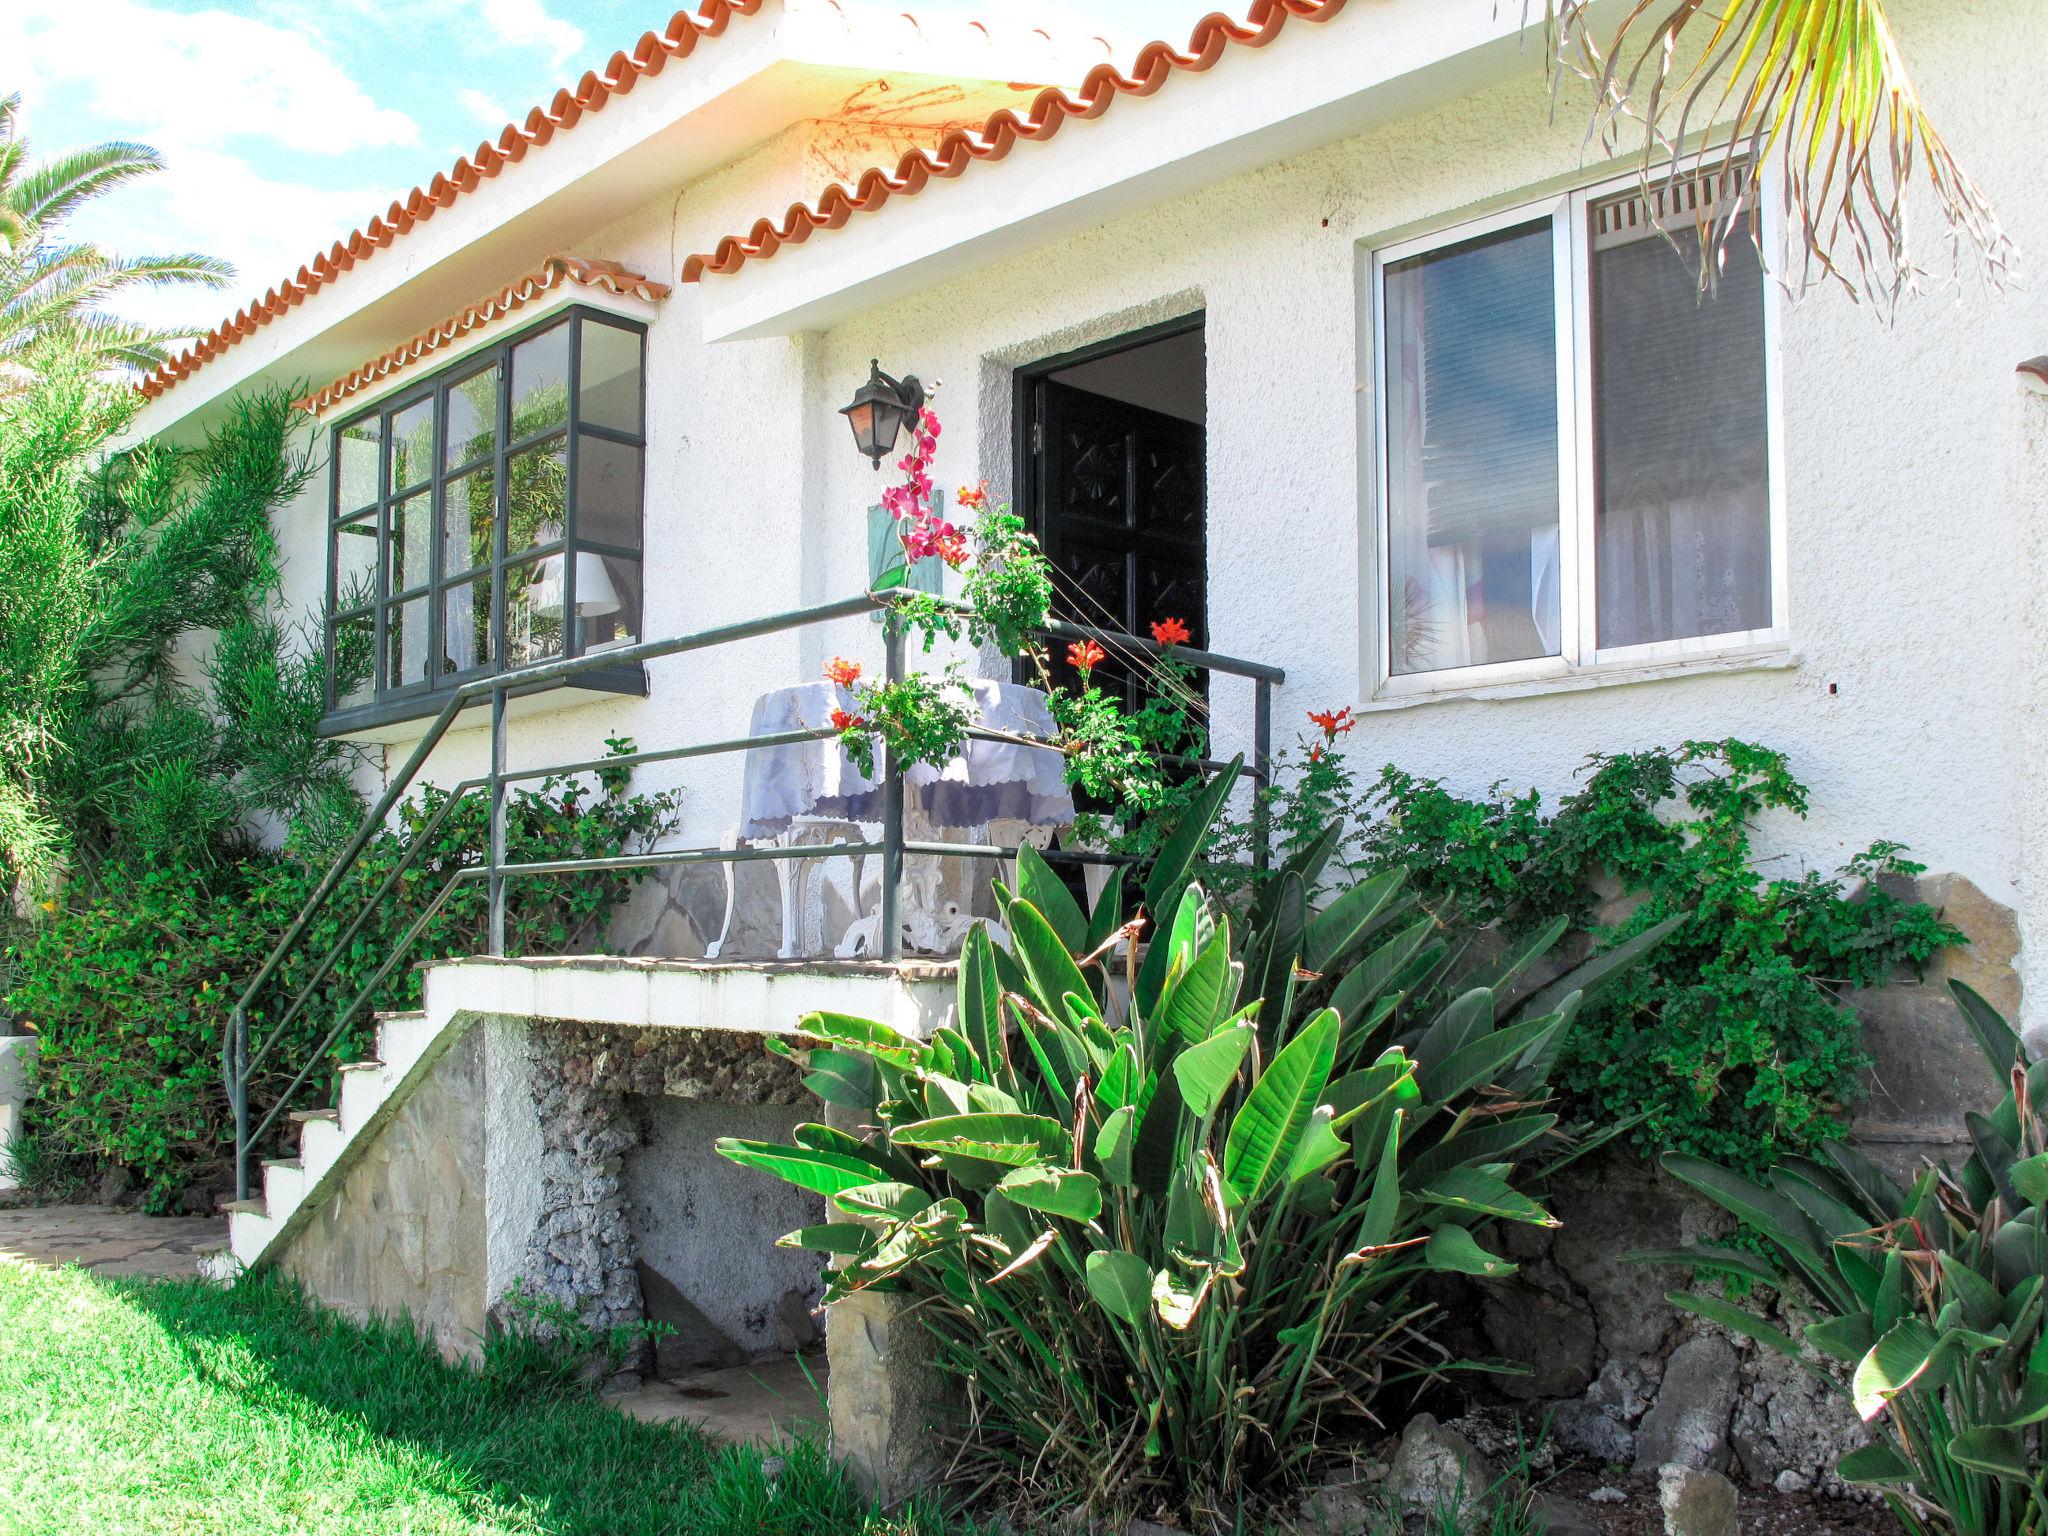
(1084, 656)
(843, 672)
(1171, 632)
(842, 721)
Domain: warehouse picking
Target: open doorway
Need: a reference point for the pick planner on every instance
(1111, 450)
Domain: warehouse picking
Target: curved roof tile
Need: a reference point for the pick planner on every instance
(624, 70)
(552, 273)
(1157, 63)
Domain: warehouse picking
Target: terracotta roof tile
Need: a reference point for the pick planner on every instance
(624, 70)
(555, 271)
(1157, 63)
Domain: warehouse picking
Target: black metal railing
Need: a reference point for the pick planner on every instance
(240, 1063)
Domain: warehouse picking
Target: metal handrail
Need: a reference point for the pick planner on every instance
(239, 1063)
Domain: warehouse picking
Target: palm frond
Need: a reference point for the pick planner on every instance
(58, 187)
(1817, 88)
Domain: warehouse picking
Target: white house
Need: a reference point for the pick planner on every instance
(1323, 332)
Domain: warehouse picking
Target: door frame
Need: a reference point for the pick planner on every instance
(1026, 409)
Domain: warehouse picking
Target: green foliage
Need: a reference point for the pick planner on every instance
(1933, 1297)
(1169, 1247)
(132, 983)
(919, 718)
(1737, 1046)
(543, 1345)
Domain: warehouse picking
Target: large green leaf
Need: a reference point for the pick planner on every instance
(1108, 915)
(1735, 1320)
(980, 999)
(1846, 1338)
(840, 1237)
(1055, 1191)
(1483, 1060)
(886, 1197)
(1183, 846)
(1995, 1038)
(1318, 1148)
(1018, 1140)
(1114, 1144)
(1481, 1141)
(1269, 975)
(1366, 982)
(1157, 1148)
(1468, 1018)
(1049, 896)
(1484, 1194)
(1383, 1205)
(1456, 1251)
(1994, 1449)
(2029, 1178)
(1604, 969)
(1894, 1363)
(1121, 1284)
(1349, 919)
(869, 1035)
(1273, 1115)
(1877, 1463)
(1206, 1071)
(1045, 959)
(824, 1173)
(843, 1078)
(1192, 1002)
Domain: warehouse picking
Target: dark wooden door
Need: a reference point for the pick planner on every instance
(1121, 515)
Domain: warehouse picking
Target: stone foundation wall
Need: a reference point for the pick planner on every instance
(405, 1232)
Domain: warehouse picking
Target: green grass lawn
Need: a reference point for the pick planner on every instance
(177, 1407)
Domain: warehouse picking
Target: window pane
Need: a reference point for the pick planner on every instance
(412, 541)
(533, 611)
(355, 655)
(539, 482)
(540, 382)
(468, 505)
(405, 643)
(472, 416)
(1471, 430)
(607, 492)
(1683, 532)
(354, 562)
(610, 376)
(412, 445)
(607, 600)
(358, 446)
(466, 625)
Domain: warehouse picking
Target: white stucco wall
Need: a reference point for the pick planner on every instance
(1915, 470)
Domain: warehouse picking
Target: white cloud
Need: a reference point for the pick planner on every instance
(195, 80)
(527, 24)
(483, 108)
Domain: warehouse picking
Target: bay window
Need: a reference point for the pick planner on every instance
(1574, 442)
(488, 518)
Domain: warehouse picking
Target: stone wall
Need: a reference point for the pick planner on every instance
(405, 1233)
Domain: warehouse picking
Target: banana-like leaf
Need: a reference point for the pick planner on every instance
(1272, 1117)
(1878, 1191)
(1894, 1364)
(1481, 1141)
(868, 1035)
(1468, 1018)
(1532, 947)
(1055, 1191)
(823, 1173)
(1060, 1058)
(887, 1162)
(847, 1238)
(1018, 1140)
(1191, 1003)
(1771, 1214)
(1846, 1338)
(1735, 1320)
(1995, 1038)
(1178, 853)
(885, 1198)
(1727, 1261)
(2029, 1178)
(979, 998)
(1318, 1148)
(1156, 1150)
(1485, 1194)
(1113, 1146)
(1366, 982)
(1206, 1071)
(1383, 1205)
(1049, 896)
(1877, 1463)
(1349, 919)
(843, 1078)
(1983, 1306)
(1604, 969)
(1270, 973)
(1455, 1251)
(1045, 958)
(1994, 1450)
(1485, 1059)
(1176, 1302)
(1108, 915)
(1121, 1284)
(1995, 1151)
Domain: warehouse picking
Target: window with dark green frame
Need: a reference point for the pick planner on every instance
(488, 518)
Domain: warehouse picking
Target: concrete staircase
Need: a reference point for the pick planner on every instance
(329, 1141)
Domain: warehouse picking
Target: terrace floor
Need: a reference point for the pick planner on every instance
(107, 1240)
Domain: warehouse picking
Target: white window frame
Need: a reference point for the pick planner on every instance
(1581, 657)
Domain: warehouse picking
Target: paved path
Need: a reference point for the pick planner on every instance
(108, 1241)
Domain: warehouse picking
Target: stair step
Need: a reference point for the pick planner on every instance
(385, 1015)
(283, 1162)
(402, 1038)
(249, 1233)
(284, 1186)
(363, 1088)
(320, 1143)
(311, 1116)
(367, 1064)
(247, 1207)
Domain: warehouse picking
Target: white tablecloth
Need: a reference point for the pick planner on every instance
(988, 781)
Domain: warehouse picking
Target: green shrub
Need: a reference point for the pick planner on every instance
(1933, 1298)
(132, 984)
(1171, 1247)
(1737, 1045)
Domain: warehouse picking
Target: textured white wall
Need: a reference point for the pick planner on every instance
(1915, 471)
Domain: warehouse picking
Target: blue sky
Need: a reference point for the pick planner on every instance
(288, 124)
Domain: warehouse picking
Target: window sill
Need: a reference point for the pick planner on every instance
(406, 719)
(1774, 658)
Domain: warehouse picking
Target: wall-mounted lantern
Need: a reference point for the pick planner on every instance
(2034, 374)
(879, 410)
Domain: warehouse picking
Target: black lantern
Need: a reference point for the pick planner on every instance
(880, 408)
